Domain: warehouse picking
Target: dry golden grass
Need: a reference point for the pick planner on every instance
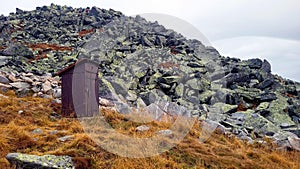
(219, 151)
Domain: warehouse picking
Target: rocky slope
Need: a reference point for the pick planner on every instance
(143, 65)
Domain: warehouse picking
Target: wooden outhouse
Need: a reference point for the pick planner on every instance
(80, 89)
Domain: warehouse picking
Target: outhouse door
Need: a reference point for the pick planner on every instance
(85, 90)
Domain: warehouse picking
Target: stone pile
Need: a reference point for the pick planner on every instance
(26, 84)
(144, 66)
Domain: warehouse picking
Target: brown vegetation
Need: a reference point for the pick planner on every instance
(44, 46)
(220, 151)
(168, 65)
(85, 32)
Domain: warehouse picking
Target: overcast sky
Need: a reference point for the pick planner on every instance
(268, 29)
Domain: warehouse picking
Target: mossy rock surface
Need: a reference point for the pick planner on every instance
(26, 161)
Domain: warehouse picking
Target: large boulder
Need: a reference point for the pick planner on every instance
(26, 161)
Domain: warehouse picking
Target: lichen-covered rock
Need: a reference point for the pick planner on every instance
(25, 161)
(261, 125)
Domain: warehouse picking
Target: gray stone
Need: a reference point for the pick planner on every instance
(57, 93)
(255, 63)
(283, 135)
(226, 108)
(37, 131)
(46, 86)
(169, 79)
(295, 142)
(20, 85)
(266, 97)
(66, 138)
(205, 97)
(45, 162)
(266, 66)
(143, 128)
(4, 60)
(287, 125)
(277, 112)
(165, 132)
(179, 90)
(146, 42)
(4, 80)
(53, 132)
(155, 111)
(265, 84)
(263, 106)
(234, 78)
(18, 50)
(261, 125)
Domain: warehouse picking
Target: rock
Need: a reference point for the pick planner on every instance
(4, 60)
(46, 86)
(205, 97)
(295, 142)
(37, 131)
(149, 97)
(18, 50)
(195, 65)
(234, 78)
(283, 135)
(226, 108)
(263, 106)
(165, 132)
(146, 42)
(260, 125)
(105, 102)
(155, 112)
(27, 80)
(287, 125)
(12, 78)
(57, 93)
(95, 11)
(277, 110)
(45, 162)
(255, 63)
(266, 97)
(58, 101)
(216, 75)
(248, 94)
(4, 80)
(266, 66)
(253, 82)
(53, 132)
(169, 79)
(4, 87)
(66, 138)
(212, 125)
(179, 90)
(265, 84)
(20, 85)
(294, 130)
(143, 128)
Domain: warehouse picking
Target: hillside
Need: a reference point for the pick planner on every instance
(220, 151)
(223, 112)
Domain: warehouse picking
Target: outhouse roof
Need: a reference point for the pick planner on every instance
(80, 61)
